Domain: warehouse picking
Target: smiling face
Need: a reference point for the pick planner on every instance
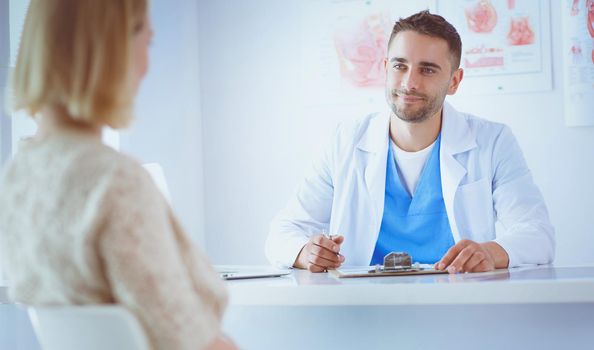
(419, 76)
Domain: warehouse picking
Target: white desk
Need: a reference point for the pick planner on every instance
(538, 307)
(526, 308)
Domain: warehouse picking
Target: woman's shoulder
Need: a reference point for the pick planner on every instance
(123, 171)
(100, 169)
(79, 170)
(96, 160)
(120, 182)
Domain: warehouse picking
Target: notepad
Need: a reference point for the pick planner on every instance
(370, 271)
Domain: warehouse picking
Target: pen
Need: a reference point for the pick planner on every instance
(328, 236)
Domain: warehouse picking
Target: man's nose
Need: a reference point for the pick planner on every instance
(410, 81)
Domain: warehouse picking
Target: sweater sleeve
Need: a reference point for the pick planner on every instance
(144, 261)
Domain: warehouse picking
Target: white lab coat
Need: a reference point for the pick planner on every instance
(484, 179)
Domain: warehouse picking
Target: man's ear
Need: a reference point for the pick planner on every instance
(385, 63)
(455, 81)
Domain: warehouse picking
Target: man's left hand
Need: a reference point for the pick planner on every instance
(470, 256)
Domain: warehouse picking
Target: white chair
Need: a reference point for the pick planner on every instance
(87, 327)
(158, 175)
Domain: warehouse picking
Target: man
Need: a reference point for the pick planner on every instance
(421, 178)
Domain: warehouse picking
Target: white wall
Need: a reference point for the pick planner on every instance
(5, 124)
(167, 128)
(258, 139)
(5, 127)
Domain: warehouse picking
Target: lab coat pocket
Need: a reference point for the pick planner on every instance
(474, 208)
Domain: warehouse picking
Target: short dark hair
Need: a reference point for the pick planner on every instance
(432, 25)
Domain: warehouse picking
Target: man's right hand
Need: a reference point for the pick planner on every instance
(320, 254)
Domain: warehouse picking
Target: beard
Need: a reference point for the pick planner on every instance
(432, 104)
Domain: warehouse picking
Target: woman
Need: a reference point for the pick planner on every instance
(81, 223)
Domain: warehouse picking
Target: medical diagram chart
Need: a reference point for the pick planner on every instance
(505, 44)
(343, 45)
(578, 56)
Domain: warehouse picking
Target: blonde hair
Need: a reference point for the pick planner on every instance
(76, 55)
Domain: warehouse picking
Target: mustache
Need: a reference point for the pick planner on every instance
(395, 92)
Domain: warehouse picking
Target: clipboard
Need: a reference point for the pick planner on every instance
(371, 272)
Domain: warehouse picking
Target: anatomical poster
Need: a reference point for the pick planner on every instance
(578, 55)
(344, 43)
(505, 43)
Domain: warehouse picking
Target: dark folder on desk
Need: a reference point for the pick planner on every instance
(371, 272)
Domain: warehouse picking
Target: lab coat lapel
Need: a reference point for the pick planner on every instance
(456, 137)
(372, 150)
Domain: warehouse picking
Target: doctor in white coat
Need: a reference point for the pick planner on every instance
(481, 175)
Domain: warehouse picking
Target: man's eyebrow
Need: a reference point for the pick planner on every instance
(422, 63)
(398, 59)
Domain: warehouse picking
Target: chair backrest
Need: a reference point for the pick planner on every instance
(155, 170)
(87, 327)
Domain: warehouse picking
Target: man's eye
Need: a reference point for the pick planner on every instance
(428, 70)
(399, 66)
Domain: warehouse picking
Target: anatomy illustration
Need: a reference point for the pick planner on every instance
(576, 53)
(361, 48)
(590, 19)
(482, 17)
(575, 10)
(520, 32)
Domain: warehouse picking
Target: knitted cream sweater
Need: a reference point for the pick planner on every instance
(83, 224)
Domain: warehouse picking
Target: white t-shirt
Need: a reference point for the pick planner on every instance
(410, 165)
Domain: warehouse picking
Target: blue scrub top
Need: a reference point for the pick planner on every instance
(417, 225)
